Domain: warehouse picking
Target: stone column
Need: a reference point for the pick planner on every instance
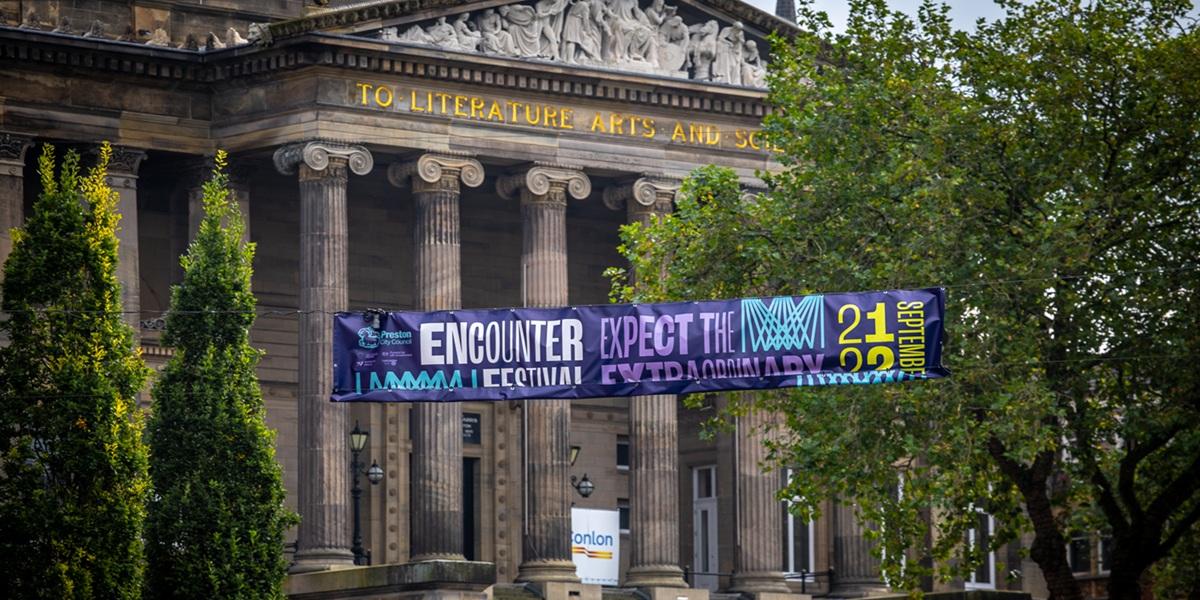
(653, 434)
(436, 427)
(323, 168)
(546, 551)
(12, 189)
(123, 177)
(855, 570)
(239, 192)
(759, 514)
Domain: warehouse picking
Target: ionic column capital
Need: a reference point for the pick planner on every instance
(316, 155)
(123, 166)
(546, 182)
(125, 161)
(441, 170)
(12, 152)
(751, 193)
(647, 194)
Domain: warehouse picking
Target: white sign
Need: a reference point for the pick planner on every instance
(595, 545)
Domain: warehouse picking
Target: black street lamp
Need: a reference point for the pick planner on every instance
(584, 486)
(358, 441)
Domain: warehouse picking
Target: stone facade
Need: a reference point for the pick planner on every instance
(377, 172)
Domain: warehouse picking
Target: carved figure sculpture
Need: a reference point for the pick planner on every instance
(522, 22)
(160, 38)
(233, 38)
(495, 39)
(550, 16)
(672, 44)
(415, 35)
(753, 72)
(442, 35)
(468, 38)
(703, 49)
(727, 68)
(581, 32)
(615, 33)
(636, 41)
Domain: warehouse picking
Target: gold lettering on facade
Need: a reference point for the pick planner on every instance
(383, 96)
(549, 116)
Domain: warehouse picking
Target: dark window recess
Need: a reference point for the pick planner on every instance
(623, 513)
(1080, 553)
(983, 540)
(622, 452)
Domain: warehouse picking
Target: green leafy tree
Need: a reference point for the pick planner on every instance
(217, 516)
(72, 462)
(1045, 170)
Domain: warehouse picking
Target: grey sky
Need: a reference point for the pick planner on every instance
(964, 12)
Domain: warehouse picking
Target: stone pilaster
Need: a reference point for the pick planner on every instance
(547, 541)
(323, 169)
(856, 570)
(760, 517)
(123, 177)
(437, 494)
(12, 189)
(653, 434)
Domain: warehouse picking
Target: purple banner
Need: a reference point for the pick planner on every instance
(638, 349)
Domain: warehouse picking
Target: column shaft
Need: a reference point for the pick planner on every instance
(437, 426)
(12, 190)
(654, 493)
(547, 540)
(324, 487)
(855, 568)
(760, 516)
(123, 177)
(654, 443)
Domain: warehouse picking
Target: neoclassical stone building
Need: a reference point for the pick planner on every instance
(436, 154)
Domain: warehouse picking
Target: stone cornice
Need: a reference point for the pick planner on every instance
(346, 18)
(367, 56)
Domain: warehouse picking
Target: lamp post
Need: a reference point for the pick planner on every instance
(358, 441)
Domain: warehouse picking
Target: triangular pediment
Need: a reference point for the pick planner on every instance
(712, 41)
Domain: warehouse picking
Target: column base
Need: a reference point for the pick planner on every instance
(755, 583)
(443, 580)
(321, 559)
(430, 557)
(863, 589)
(542, 571)
(673, 593)
(650, 576)
(562, 590)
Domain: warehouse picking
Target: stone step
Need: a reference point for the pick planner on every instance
(619, 594)
(512, 591)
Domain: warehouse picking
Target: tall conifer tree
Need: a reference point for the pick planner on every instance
(217, 516)
(73, 475)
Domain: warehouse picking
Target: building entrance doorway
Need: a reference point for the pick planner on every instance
(704, 527)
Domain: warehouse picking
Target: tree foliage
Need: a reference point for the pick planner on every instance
(72, 462)
(1045, 170)
(217, 518)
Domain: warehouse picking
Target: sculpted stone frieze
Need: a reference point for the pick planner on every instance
(630, 35)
